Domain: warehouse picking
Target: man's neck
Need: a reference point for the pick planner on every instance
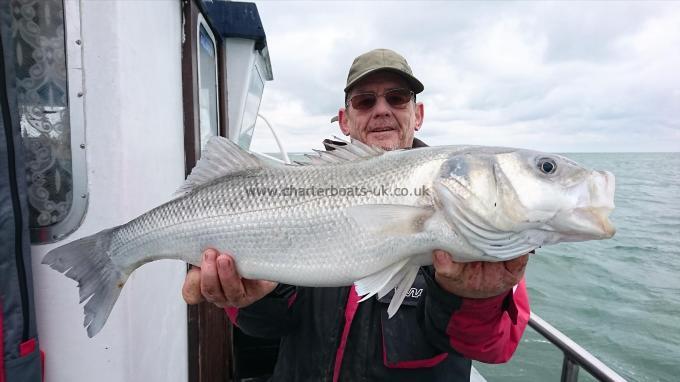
(418, 143)
(326, 143)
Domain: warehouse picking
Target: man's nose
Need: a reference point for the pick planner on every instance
(381, 107)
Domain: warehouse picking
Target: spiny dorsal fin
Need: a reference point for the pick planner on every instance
(220, 157)
(340, 151)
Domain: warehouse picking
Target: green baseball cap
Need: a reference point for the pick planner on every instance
(382, 59)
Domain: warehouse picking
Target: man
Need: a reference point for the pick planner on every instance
(455, 311)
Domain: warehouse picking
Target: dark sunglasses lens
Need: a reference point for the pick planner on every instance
(363, 101)
(398, 97)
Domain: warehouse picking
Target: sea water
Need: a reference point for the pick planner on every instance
(617, 298)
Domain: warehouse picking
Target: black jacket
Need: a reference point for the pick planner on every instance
(410, 346)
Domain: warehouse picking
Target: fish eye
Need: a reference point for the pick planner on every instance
(547, 166)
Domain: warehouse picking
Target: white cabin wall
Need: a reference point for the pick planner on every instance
(135, 161)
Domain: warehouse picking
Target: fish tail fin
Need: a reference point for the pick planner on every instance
(87, 261)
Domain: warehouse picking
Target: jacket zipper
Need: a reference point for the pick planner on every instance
(16, 206)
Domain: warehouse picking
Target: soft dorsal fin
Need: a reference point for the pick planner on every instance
(220, 157)
(340, 151)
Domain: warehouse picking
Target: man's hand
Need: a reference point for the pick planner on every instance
(478, 279)
(217, 281)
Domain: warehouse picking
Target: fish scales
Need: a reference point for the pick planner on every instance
(223, 215)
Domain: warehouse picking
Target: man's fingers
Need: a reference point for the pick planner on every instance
(210, 283)
(191, 290)
(230, 281)
(516, 266)
(441, 258)
(514, 270)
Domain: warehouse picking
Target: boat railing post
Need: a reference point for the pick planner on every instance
(575, 357)
(569, 370)
(284, 153)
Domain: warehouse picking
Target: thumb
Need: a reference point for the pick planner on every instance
(440, 258)
(191, 290)
(444, 266)
(516, 266)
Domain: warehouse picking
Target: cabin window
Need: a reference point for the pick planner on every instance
(253, 98)
(207, 77)
(51, 127)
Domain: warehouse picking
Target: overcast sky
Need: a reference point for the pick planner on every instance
(557, 77)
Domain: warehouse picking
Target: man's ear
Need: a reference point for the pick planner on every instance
(420, 115)
(343, 120)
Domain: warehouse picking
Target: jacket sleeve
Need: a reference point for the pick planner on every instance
(270, 317)
(486, 330)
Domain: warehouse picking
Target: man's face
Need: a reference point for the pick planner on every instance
(382, 125)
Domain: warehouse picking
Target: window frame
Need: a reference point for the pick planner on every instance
(76, 112)
(210, 332)
(201, 22)
(255, 75)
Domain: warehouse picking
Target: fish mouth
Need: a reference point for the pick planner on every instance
(581, 224)
(599, 224)
(602, 184)
(590, 220)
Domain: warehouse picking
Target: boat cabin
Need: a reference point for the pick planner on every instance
(115, 101)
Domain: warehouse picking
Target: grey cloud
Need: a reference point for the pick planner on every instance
(578, 85)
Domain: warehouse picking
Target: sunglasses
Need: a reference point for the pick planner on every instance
(397, 98)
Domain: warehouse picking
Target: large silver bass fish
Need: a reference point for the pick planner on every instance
(357, 214)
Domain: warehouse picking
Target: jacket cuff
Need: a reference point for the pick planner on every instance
(489, 329)
(280, 299)
(491, 305)
(451, 303)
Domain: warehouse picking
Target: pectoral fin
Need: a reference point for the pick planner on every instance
(402, 289)
(379, 281)
(390, 219)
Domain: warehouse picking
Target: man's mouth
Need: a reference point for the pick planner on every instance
(381, 129)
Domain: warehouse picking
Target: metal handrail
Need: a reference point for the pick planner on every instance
(574, 355)
(283, 151)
